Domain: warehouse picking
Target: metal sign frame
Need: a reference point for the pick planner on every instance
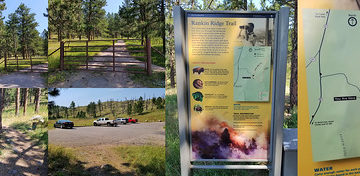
(278, 90)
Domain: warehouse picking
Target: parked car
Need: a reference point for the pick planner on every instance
(120, 121)
(64, 124)
(104, 121)
(131, 120)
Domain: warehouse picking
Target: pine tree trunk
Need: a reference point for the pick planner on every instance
(1, 106)
(26, 92)
(17, 101)
(37, 105)
(163, 27)
(21, 97)
(294, 64)
(172, 70)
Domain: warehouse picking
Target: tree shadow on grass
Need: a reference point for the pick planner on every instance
(63, 162)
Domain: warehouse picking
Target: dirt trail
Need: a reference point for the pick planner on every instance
(20, 155)
(100, 79)
(24, 78)
(106, 160)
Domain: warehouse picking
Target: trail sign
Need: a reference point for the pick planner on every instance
(231, 69)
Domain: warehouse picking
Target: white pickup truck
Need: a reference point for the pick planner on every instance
(104, 121)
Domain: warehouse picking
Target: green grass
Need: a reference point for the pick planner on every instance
(63, 162)
(172, 136)
(57, 76)
(146, 160)
(155, 116)
(156, 43)
(22, 63)
(10, 118)
(291, 121)
(157, 79)
(54, 60)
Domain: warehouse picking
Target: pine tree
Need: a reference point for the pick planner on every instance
(17, 101)
(26, 30)
(12, 32)
(129, 108)
(72, 107)
(99, 106)
(3, 42)
(91, 109)
(94, 17)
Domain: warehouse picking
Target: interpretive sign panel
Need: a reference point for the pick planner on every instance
(230, 81)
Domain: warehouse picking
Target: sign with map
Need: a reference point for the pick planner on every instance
(252, 73)
(332, 58)
(229, 63)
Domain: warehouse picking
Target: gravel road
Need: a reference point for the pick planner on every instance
(130, 134)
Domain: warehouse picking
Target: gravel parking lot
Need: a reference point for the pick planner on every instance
(130, 134)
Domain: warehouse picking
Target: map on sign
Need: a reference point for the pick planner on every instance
(252, 73)
(332, 59)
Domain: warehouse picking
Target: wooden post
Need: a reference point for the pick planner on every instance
(5, 61)
(17, 62)
(148, 56)
(31, 64)
(87, 54)
(61, 55)
(113, 55)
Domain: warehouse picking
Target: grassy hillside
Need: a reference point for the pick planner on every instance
(118, 107)
(155, 116)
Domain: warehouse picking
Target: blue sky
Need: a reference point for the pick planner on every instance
(39, 7)
(112, 6)
(83, 96)
(36, 6)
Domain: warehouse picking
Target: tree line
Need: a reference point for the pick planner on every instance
(265, 5)
(98, 109)
(18, 35)
(20, 98)
(76, 18)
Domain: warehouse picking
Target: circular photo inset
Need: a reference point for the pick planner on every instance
(198, 96)
(198, 84)
(198, 108)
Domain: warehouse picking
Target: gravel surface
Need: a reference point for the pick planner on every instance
(130, 134)
(17, 80)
